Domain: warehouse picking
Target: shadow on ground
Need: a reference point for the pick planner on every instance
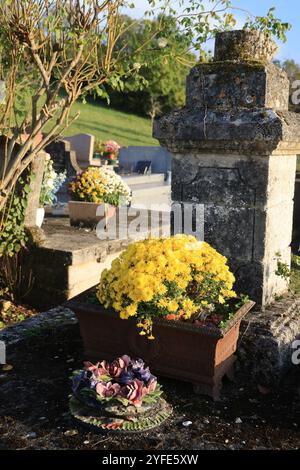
(34, 407)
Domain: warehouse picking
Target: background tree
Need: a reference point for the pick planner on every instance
(66, 49)
(56, 51)
(293, 71)
(163, 66)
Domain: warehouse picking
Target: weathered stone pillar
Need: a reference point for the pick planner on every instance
(234, 149)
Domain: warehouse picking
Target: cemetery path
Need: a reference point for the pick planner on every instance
(34, 405)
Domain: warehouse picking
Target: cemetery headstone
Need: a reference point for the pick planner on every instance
(64, 160)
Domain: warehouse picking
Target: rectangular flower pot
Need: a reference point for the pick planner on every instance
(84, 214)
(199, 355)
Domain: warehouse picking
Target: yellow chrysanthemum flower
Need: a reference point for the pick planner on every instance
(163, 274)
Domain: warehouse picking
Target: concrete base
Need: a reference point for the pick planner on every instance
(149, 190)
(266, 341)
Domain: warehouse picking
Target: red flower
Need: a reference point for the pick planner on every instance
(111, 147)
(172, 316)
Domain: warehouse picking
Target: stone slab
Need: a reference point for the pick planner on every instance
(83, 146)
(70, 260)
(51, 320)
(67, 262)
(261, 131)
(296, 218)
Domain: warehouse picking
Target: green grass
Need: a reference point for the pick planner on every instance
(295, 278)
(106, 123)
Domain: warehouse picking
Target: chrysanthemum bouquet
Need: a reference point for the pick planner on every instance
(176, 278)
(100, 185)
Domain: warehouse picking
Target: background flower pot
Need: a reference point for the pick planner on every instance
(84, 214)
(199, 355)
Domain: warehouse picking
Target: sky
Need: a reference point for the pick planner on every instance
(286, 10)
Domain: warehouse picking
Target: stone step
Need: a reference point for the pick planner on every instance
(151, 194)
(136, 179)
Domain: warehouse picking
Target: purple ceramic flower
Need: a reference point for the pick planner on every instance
(80, 381)
(140, 371)
(126, 376)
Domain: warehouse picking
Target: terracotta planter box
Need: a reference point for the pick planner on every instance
(199, 355)
(85, 213)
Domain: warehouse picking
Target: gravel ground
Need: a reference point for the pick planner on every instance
(34, 402)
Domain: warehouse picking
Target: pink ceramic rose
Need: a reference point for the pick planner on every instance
(106, 390)
(151, 387)
(101, 368)
(113, 370)
(118, 366)
(133, 391)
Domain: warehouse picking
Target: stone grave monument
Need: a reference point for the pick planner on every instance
(234, 148)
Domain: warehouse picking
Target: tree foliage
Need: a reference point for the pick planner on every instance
(293, 72)
(60, 50)
(163, 67)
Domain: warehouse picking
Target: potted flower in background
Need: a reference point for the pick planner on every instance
(93, 188)
(119, 396)
(179, 293)
(52, 181)
(111, 152)
(98, 150)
